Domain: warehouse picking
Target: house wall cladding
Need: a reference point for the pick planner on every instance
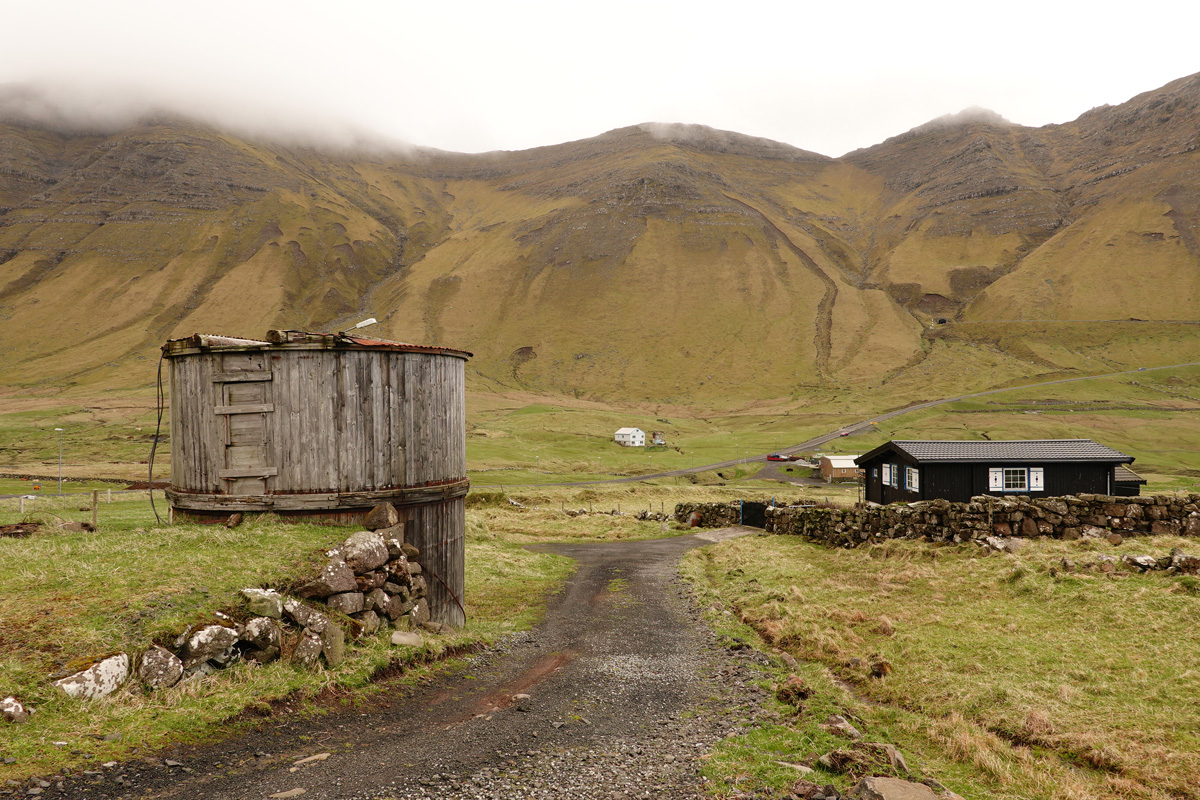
(941, 520)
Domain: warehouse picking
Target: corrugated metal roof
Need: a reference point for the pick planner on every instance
(283, 339)
(1018, 450)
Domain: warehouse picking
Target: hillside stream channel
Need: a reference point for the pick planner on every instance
(621, 692)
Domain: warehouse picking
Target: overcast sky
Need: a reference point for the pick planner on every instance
(475, 76)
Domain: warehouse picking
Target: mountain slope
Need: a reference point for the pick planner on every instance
(658, 263)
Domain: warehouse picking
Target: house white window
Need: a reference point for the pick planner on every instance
(886, 480)
(912, 479)
(1016, 479)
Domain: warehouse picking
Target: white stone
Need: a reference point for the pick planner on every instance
(407, 639)
(101, 679)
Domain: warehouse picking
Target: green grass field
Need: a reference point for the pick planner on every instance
(73, 595)
(1012, 676)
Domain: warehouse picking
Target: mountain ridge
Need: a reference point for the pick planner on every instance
(652, 262)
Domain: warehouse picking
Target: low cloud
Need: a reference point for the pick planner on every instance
(76, 109)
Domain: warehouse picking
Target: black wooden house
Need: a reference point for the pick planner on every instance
(907, 471)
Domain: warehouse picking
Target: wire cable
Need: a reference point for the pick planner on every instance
(160, 398)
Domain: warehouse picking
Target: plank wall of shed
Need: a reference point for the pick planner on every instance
(438, 530)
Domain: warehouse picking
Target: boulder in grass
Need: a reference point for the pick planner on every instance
(336, 577)
(264, 602)
(101, 679)
(407, 639)
(210, 642)
(364, 551)
(160, 668)
(883, 788)
(14, 710)
(381, 516)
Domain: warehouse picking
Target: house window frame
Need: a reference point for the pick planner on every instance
(1032, 479)
(912, 479)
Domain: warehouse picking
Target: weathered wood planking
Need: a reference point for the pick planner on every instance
(326, 426)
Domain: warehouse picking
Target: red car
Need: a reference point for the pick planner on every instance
(777, 457)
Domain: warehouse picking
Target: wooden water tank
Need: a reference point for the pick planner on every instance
(326, 426)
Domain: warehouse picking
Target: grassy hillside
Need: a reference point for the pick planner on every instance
(652, 267)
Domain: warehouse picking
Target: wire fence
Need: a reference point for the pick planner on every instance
(73, 503)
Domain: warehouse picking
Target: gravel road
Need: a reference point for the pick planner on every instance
(620, 693)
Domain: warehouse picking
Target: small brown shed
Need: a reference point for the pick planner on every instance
(327, 426)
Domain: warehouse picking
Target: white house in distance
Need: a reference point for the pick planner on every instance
(630, 437)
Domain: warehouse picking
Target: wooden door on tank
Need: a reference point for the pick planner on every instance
(243, 400)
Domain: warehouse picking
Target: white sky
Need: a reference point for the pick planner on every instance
(474, 76)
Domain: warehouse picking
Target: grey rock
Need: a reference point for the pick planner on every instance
(336, 577)
(397, 589)
(840, 726)
(263, 656)
(333, 645)
(397, 607)
(410, 551)
(882, 788)
(264, 602)
(160, 668)
(420, 613)
(393, 540)
(210, 642)
(346, 603)
(262, 632)
(369, 620)
(304, 616)
(376, 601)
(101, 679)
(407, 639)
(1141, 562)
(381, 516)
(309, 648)
(364, 551)
(374, 579)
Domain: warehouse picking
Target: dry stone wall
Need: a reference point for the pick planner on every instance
(708, 515)
(370, 583)
(940, 520)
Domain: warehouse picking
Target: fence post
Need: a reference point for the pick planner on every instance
(95, 507)
(21, 505)
(110, 495)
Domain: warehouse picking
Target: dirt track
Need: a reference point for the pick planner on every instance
(626, 691)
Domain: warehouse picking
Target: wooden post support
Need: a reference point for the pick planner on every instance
(110, 495)
(21, 504)
(95, 507)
